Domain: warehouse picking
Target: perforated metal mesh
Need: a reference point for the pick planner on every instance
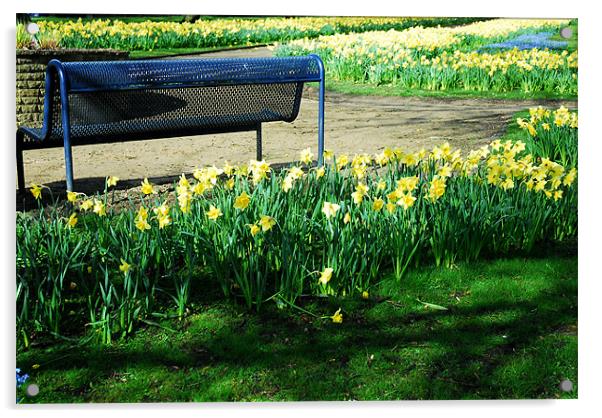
(127, 99)
(112, 75)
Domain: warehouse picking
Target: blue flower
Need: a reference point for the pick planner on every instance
(538, 40)
(21, 378)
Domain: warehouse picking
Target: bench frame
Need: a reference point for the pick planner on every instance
(56, 67)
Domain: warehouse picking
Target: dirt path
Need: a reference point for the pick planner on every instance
(354, 124)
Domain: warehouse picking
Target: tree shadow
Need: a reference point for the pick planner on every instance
(316, 360)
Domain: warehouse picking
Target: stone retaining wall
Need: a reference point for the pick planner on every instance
(31, 71)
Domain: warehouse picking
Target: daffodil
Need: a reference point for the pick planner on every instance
(228, 169)
(199, 188)
(326, 275)
(124, 267)
(337, 318)
(390, 206)
(213, 213)
(86, 205)
(142, 224)
(287, 183)
(36, 190)
(330, 209)
(407, 184)
(184, 200)
(254, 229)
(365, 295)
(508, 183)
(320, 172)
(72, 221)
(259, 171)
(162, 215)
(306, 156)
(378, 204)
(242, 201)
(147, 188)
(72, 197)
(406, 201)
(570, 177)
(99, 207)
(437, 188)
(558, 195)
(342, 161)
(328, 155)
(183, 181)
(445, 171)
(112, 181)
(361, 190)
(229, 184)
(267, 223)
(347, 218)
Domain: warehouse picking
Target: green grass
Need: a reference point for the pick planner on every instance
(166, 52)
(348, 87)
(509, 331)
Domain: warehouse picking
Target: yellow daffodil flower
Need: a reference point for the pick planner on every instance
(86, 205)
(36, 191)
(306, 156)
(124, 267)
(242, 201)
(337, 318)
(254, 229)
(147, 188)
(72, 221)
(330, 209)
(112, 181)
(213, 213)
(326, 275)
(267, 223)
(99, 208)
(378, 204)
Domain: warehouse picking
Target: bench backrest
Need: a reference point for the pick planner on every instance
(151, 98)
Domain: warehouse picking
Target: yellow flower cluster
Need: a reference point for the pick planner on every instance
(392, 46)
(542, 117)
(500, 164)
(215, 28)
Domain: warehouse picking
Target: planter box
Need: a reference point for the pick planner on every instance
(31, 72)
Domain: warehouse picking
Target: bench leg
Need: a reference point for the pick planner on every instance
(20, 169)
(68, 162)
(259, 153)
(321, 125)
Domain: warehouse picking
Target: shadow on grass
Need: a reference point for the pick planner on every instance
(492, 347)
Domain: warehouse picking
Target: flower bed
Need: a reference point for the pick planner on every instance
(551, 133)
(264, 235)
(445, 58)
(134, 36)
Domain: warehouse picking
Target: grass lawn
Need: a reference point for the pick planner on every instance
(168, 52)
(348, 87)
(509, 331)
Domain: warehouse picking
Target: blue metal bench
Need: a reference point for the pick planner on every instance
(113, 101)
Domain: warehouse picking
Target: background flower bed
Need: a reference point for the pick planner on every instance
(446, 58)
(148, 35)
